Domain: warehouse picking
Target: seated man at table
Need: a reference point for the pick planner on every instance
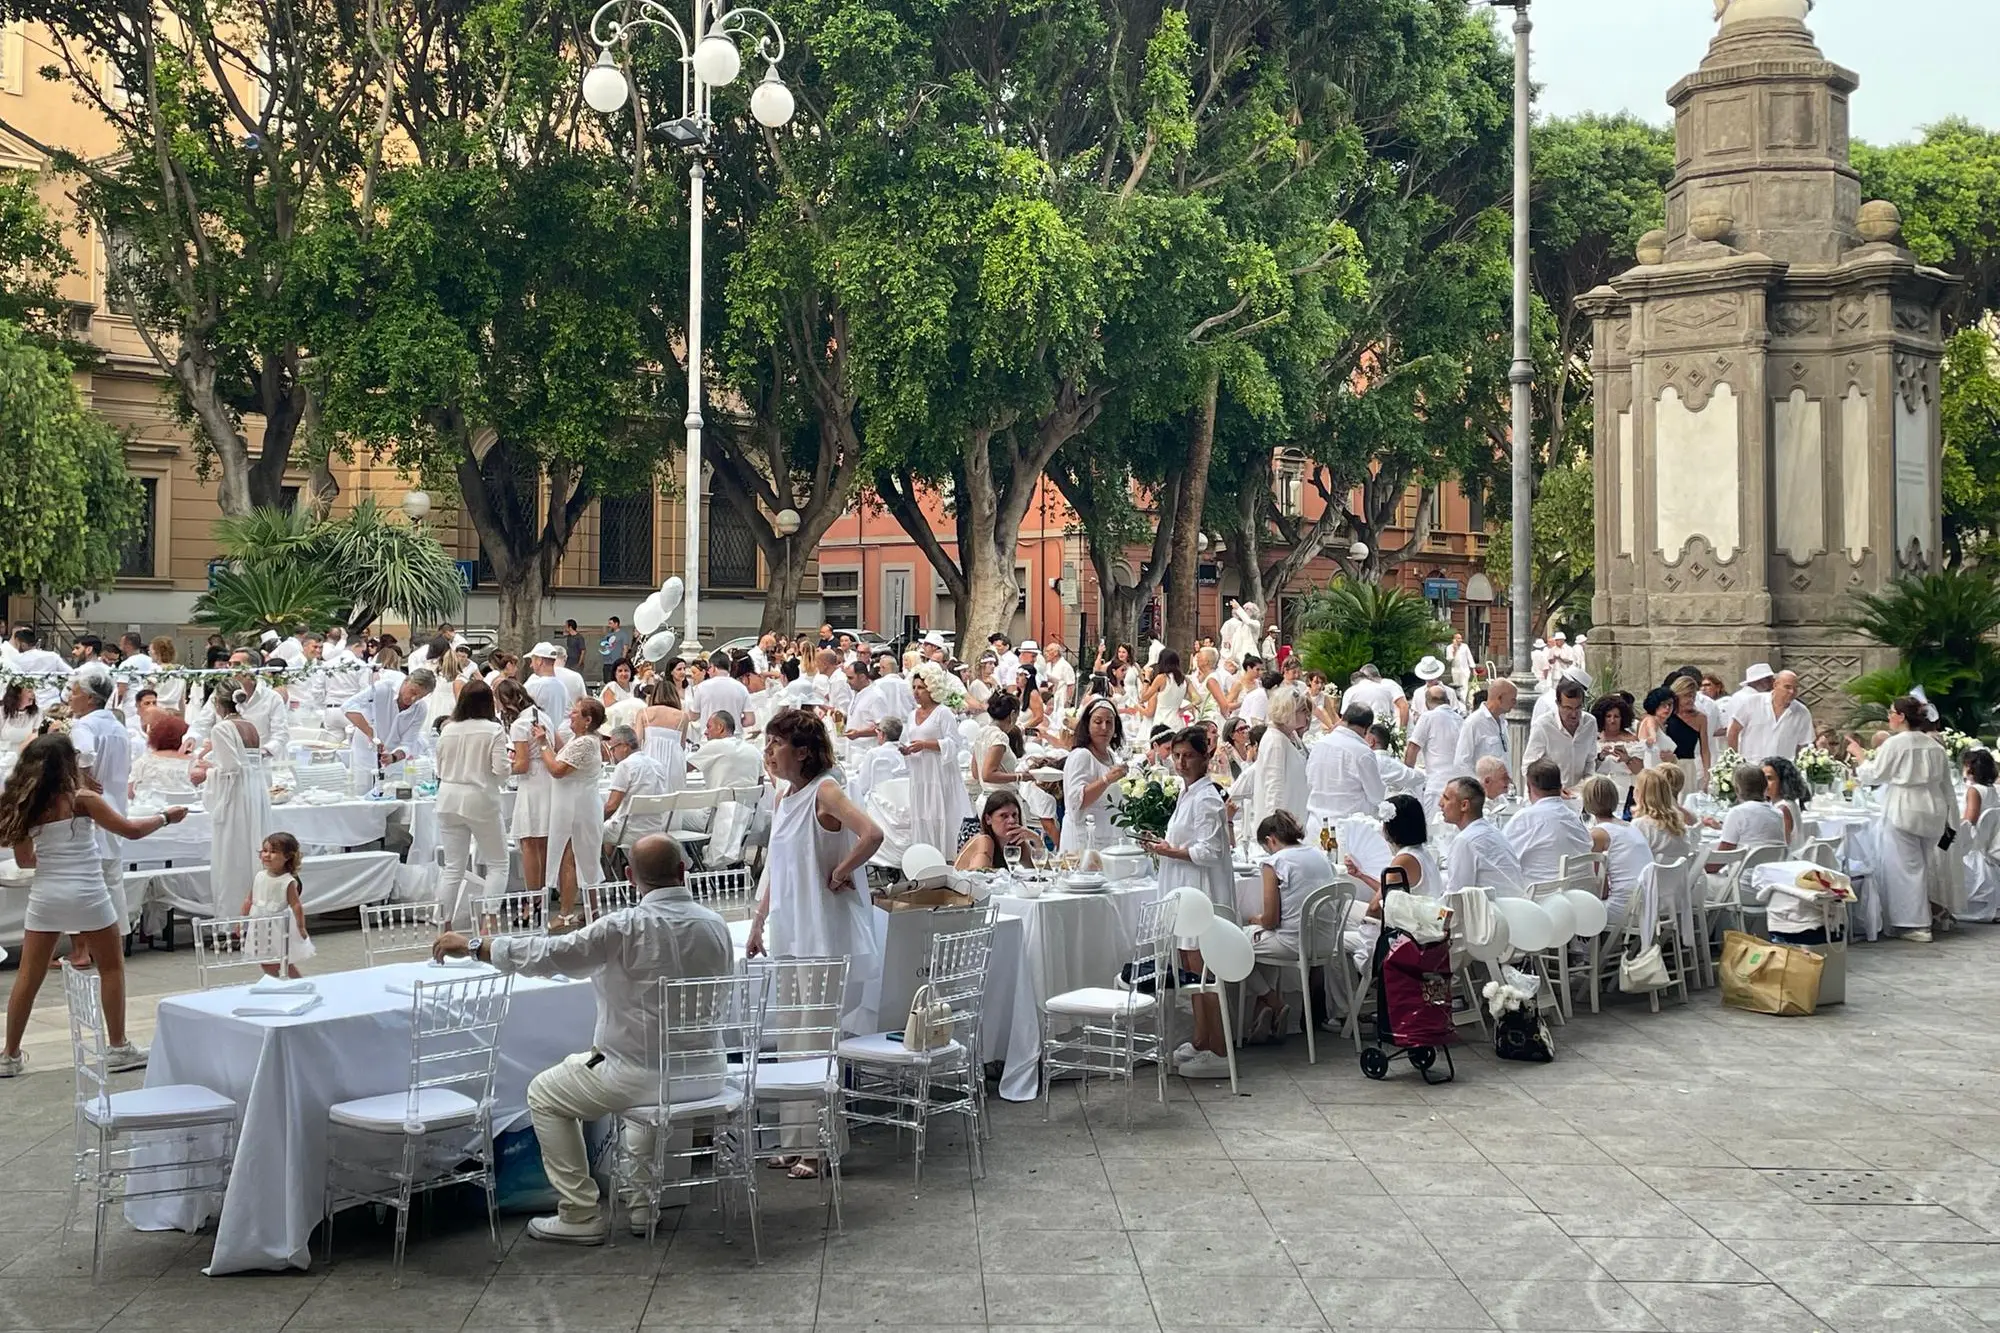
(1547, 830)
(1753, 821)
(625, 954)
(1479, 855)
(636, 774)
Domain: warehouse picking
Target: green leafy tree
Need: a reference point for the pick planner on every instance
(1941, 628)
(33, 259)
(1969, 413)
(1563, 554)
(270, 596)
(1947, 186)
(357, 566)
(1352, 622)
(70, 504)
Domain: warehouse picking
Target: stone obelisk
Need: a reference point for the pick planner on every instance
(1767, 434)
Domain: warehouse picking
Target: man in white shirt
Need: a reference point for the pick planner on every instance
(1031, 658)
(635, 773)
(388, 720)
(31, 659)
(1382, 697)
(873, 705)
(1567, 735)
(902, 699)
(1459, 657)
(1757, 682)
(1057, 671)
(936, 648)
(104, 753)
(720, 693)
(1547, 830)
(264, 708)
(1772, 724)
(544, 686)
(1753, 821)
(135, 664)
(626, 954)
(1342, 775)
(1007, 667)
(1398, 778)
(1434, 740)
(832, 681)
(1479, 856)
(727, 761)
(572, 681)
(1539, 661)
(1485, 731)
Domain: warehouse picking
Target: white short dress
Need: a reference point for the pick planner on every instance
(269, 900)
(69, 896)
(534, 789)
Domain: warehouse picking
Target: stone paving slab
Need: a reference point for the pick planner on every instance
(1661, 1175)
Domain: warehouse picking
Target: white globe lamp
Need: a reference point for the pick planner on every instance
(417, 506)
(717, 62)
(604, 86)
(1358, 551)
(771, 101)
(786, 522)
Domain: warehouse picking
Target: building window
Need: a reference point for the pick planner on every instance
(1291, 482)
(840, 597)
(625, 541)
(1475, 508)
(1440, 540)
(732, 550)
(136, 562)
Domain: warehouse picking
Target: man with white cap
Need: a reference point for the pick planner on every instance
(1031, 658)
(1559, 654)
(544, 686)
(1429, 671)
(1772, 724)
(935, 648)
(1538, 661)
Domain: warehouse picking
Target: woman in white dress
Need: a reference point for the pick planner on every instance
(1194, 853)
(1789, 793)
(533, 787)
(979, 690)
(1091, 775)
(662, 731)
(938, 803)
(620, 687)
(472, 763)
(576, 811)
(169, 690)
(50, 820)
(1917, 812)
(236, 794)
(998, 764)
(20, 717)
(1279, 781)
(814, 900)
(1167, 695)
(1407, 832)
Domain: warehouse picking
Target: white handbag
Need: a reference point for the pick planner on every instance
(930, 1022)
(1643, 971)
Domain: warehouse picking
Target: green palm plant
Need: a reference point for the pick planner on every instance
(1349, 623)
(1940, 626)
(252, 599)
(369, 563)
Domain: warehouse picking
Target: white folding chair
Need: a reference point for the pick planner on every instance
(226, 946)
(710, 1034)
(688, 801)
(650, 813)
(1322, 921)
(802, 1002)
(742, 804)
(1661, 905)
(436, 1132)
(1211, 984)
(1098, 1029)
(182, 1116)
(1726, 901)
(392, 929)
(523, 913)
(727, 892)
(611, 896)
(886, 1083)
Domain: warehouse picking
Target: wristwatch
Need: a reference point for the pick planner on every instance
(473, 943)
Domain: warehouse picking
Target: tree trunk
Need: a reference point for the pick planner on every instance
(520, 590)
(1184, 575)
(781, 593)
(1249, 537)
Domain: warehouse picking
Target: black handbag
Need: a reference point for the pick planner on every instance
(1521, 1034)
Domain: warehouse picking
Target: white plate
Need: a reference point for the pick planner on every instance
(1083, 881)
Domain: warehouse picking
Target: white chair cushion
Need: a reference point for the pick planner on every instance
(437, 1108)
(877, 1049)
(793, 1080)
(169, 1106)
(1100, 1002)
(722, 1103)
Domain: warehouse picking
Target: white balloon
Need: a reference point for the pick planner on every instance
(1192, 913)
(1591, 915)
(660, 646)
(670, 594)
(647, 616)
(1562, 914)
(1528, 926)
(1226, 950)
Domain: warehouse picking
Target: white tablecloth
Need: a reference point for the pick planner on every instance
(326, 884)
(286, 1072)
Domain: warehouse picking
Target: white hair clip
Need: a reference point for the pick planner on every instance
(1386, 811)
(1930, 709)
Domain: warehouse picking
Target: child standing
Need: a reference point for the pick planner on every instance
(274, 892)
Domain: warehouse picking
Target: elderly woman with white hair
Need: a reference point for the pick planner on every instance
(938, 802)
(1278, 782)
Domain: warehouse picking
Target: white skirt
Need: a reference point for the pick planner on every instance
(70, 907)
(532, 805)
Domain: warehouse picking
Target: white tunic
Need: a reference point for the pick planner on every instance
(576, 814)
(239, 801)
(938, 804)
(807, 918)
(1200, 825)
(1168, 702)
(1079, 834)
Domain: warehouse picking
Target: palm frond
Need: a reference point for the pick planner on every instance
(1349, 624)
(261, 597)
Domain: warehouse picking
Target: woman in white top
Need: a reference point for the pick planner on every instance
(814, 900)
(1291, 872)
(450, 669)
(20, 716)
(1408, 833)
(1209, 686)
(938, 803)
(1091, 775)
(979, 690)
(998, 764)
(1624, 848)
(1917, 812)
(1789, 793)
(1981, 773)
(472, 763)
(1279, 781)
(576, 812)
(1167, 694)
(533, 787)
(662, 731)
(1194, 853)
(1657, 814)
(162, 767)
(620, 687)
(230, 772)
(50, 820)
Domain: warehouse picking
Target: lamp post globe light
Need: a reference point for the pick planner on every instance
(417, 506)
(711, 57)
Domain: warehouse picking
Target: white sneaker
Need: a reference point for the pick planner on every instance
(1204, 1064)
(124, 1058)
(1917, 936)
(1184, 1051)
(642, 1217)
(559, 1232)
(13, 1066)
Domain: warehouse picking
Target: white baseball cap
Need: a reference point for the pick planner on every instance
(544, 649)
(270, 636)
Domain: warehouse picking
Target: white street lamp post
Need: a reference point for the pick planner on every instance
(1521, 376)
(710, 58)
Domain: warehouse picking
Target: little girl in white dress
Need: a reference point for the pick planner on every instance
(274, 893)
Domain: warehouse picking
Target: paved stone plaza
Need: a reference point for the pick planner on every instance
(1664, 1173)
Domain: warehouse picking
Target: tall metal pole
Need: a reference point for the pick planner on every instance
(1521, 377)
(691, 576)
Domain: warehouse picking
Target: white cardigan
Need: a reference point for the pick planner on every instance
(472, 762)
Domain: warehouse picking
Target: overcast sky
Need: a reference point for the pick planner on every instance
(1919, 60)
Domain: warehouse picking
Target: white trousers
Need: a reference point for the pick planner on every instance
(561, 1100)
(1274, 955)
(456, 833)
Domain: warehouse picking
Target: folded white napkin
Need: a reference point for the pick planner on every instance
(275, 1006)
(283, 986)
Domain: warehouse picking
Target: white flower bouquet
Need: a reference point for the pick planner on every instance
(1722, 776)
(1150, 797)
